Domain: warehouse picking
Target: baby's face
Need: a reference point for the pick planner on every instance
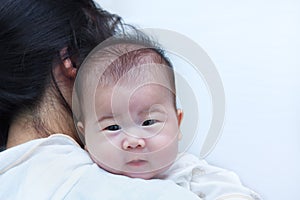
(134, 130)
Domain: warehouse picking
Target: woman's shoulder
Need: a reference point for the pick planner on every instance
(47, 164)
(56, 144)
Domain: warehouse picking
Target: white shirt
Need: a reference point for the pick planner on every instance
(57, 168)
(208, 182)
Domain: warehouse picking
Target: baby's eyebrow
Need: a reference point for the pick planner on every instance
(151, 110)
(106, 117)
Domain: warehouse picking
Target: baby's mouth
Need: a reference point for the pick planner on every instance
(137, 163)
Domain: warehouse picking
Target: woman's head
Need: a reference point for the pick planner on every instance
(36, 37)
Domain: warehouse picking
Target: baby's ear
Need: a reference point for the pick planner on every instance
(80, 127)
(179, 118)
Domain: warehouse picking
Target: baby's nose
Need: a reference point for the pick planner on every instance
(133, 143)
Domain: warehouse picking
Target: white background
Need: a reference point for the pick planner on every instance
(254, 45)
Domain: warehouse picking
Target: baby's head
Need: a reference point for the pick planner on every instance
(128, 109)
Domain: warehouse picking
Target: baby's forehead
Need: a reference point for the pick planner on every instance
(124, 64)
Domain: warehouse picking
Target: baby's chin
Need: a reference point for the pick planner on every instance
(146, 174)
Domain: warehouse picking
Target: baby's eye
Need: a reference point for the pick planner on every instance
(149, 122)
(114, 127)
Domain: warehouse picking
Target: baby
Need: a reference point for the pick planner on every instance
(129, 122)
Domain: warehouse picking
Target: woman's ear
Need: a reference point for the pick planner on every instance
(68, 68)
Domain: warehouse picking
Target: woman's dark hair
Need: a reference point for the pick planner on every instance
(32, 36)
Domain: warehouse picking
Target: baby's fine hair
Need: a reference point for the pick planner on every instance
(116, 56)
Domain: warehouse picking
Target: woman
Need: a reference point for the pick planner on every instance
(42, 45)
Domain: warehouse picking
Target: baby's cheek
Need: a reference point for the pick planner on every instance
(165, 148)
